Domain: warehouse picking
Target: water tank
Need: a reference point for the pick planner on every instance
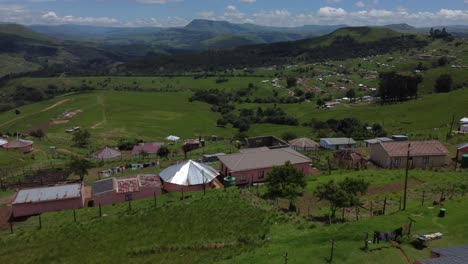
(229, 181)
(464, 161)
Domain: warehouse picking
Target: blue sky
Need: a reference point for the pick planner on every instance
(265, 12)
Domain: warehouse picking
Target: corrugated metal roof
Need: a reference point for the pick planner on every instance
(45, 194)
(3, 142)
(103, 186)
(378, 140)
(462, 146)
(262, 159)
(304, 143)
(106, 153)
(149, 147)
(418, 148)
(20, 143)
(189, 173)
(339, 141)
(453, 255)
(150, 180)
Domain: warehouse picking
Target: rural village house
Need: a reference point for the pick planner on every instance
(150, 148)
(369, 142)
(21, 145)
(453, 255)
(423, 154)
(106, 153)
(337, 143)
(253, 165)
(462, 149)
(48, 199)
(303, 144)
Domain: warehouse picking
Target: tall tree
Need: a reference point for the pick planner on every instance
(286, 182)
(443, 83)
(341, 194)
(163, 152)
(79, 167)
(81, 138)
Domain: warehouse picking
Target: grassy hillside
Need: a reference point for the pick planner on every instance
(342, 44)
(28, 48)
(239, 227)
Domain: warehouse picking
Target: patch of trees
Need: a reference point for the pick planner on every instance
(24, 94)
(395, 87)
(443, 83)
(440, 34)
(286, 182)
(220, 102)
(348, 127)
(128, 143)
(39, 134)
(81, 138)
(341, 194)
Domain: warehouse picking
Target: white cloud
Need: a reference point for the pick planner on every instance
(331, 12)
(360, 4)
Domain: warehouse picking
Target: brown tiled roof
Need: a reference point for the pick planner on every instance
(262, 159)
(418, 148)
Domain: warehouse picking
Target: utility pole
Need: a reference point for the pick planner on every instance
(406, 177)
(332, 250)
(451, 127)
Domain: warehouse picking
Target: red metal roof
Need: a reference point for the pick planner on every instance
(418, 148)
(19, 143)
(150, 148)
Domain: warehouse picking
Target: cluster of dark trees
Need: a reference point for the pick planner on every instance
(440, 34)
(348, 127)
(396, 87)
(221, 102)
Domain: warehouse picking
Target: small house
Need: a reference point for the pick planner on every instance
(28, 202)
(422, 154)
(337, 143)
(369, 142)
(400, 137)
(106, 153)
(464, 129)
(462, 149)
(349, 159)
(113, 190)
(303, 144)
(21, 145)
(150, 148)
(252, 165)
(453, 255)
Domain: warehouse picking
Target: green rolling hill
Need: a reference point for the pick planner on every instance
(344, 43)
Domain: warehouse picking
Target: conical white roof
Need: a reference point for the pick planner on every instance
(189, 173)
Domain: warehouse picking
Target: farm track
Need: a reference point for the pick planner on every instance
(43, 110)
(100, 102)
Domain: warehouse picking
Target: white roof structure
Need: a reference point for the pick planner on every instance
(464, 120)
(172, 138)
(3, 142)
(189, 173)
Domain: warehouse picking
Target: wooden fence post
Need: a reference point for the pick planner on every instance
(74, 215)
(100, 211)
(423, 196)
(155, 203)
(371, 209)
(385, 204)
(40, 222)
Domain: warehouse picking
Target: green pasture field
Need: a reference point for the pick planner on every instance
(235, 227)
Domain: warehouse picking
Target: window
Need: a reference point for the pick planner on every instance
(425, 160)
(261, 174)
(243, 178)
(397, 162)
